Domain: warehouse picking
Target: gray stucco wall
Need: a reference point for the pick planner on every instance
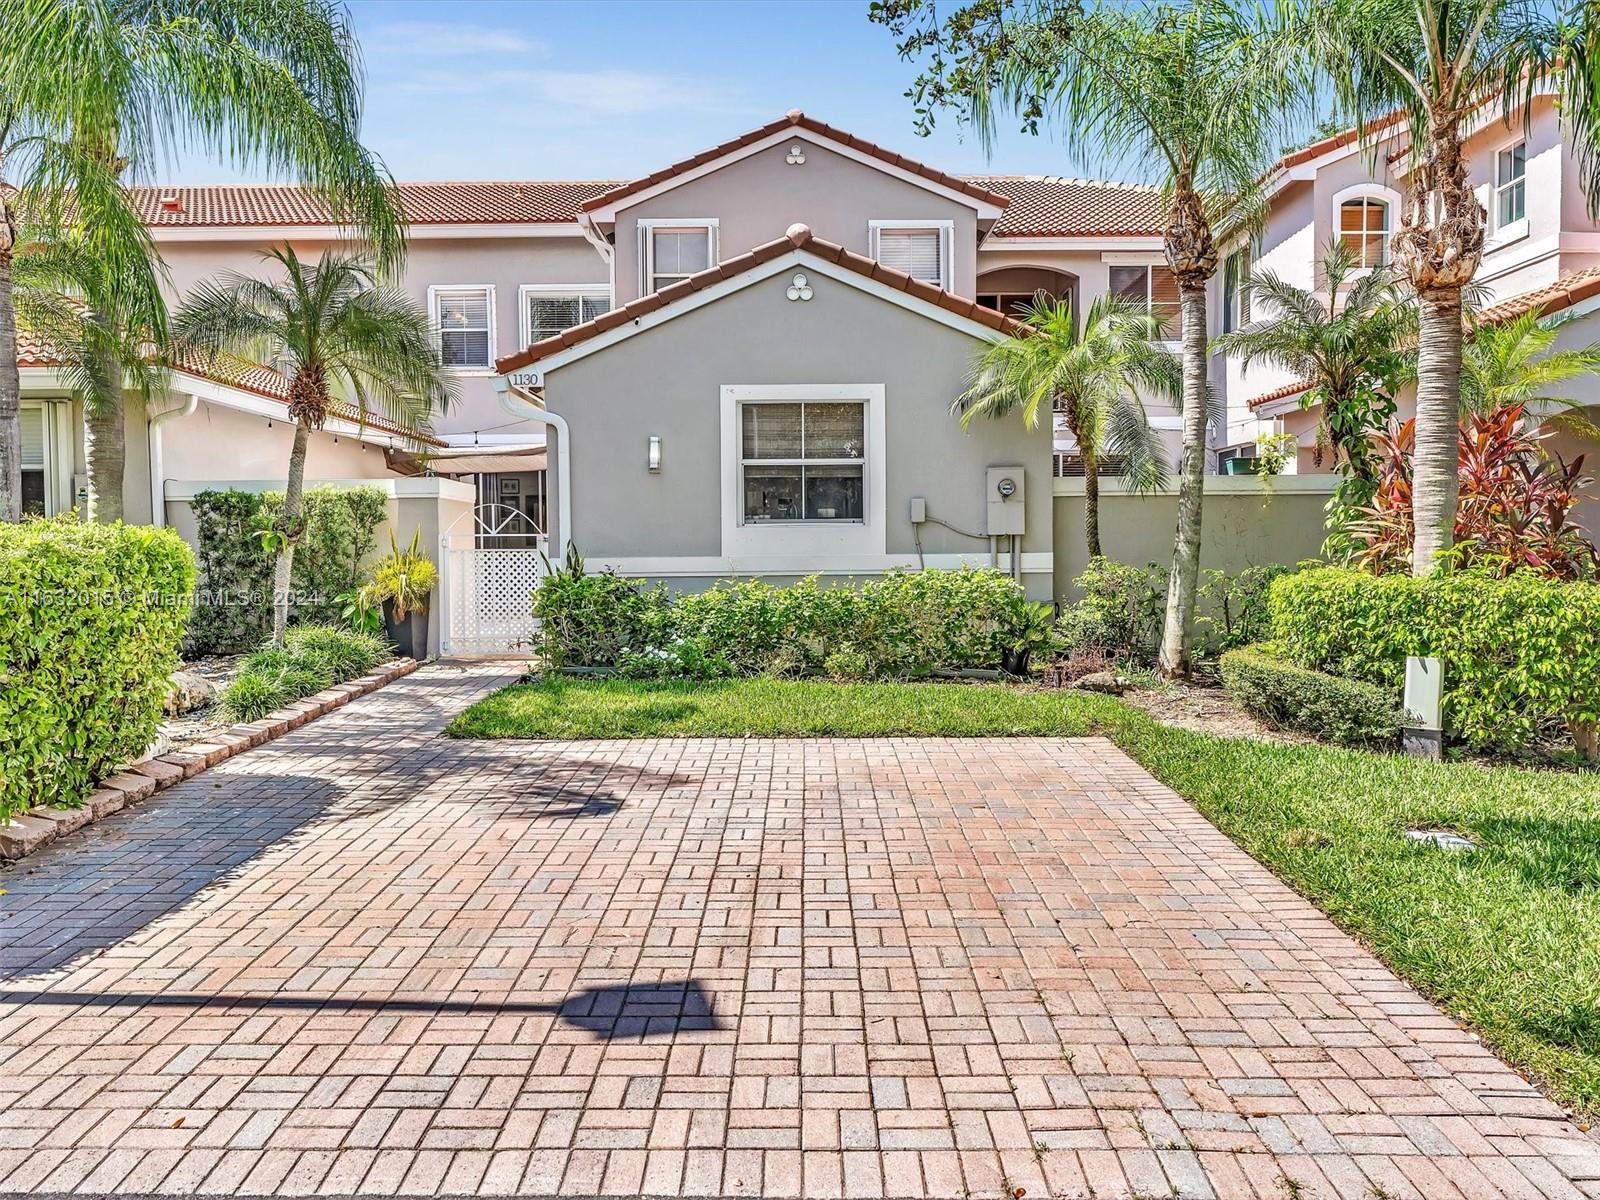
(1239, 528)
(667, 381)
(756, 198)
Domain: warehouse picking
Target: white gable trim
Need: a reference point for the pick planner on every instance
(533, 375)
(984, 209)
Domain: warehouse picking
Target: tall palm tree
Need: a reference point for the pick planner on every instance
(273, 84)
(1093, 379)
(1517, 362)
(330, 324)
(1183, 92)
(1347, 340)
(1436, 65)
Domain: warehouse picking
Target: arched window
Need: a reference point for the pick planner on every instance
(1364, 229)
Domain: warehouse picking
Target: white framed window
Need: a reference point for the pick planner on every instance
(673, 250)
(1153, 287)
(464, 316)
(920, 249)
(35, 462)
(1364, 229)
(1236, 290)
(547, 309)
(1511, 185)
(802, 460)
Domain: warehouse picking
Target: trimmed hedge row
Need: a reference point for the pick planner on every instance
(1520, 654)
(91, 621)
(235, 609)
(904, 624)
(1329, 707)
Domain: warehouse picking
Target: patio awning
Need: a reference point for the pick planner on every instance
(487, 463)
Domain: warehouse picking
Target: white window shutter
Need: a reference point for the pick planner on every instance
(33, 438)
(914, 252)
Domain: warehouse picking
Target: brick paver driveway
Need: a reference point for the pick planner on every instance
(370, 959)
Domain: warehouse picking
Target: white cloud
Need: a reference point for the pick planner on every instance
(579, 94)
(446, 39)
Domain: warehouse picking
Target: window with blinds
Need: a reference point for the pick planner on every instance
(803, 462)
(1364, 229)
(33, 462)
(464, 317)
(549, 313)
(918, 253)
(1154, 288)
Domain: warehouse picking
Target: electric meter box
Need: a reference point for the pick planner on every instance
(1007, 501)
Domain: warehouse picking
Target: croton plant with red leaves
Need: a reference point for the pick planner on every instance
(1515, 508)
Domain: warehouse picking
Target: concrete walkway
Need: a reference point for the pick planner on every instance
(366, 959)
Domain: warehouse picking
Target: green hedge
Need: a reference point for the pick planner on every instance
(91, 621)
(1520, 654)
(906, 623)
(1329, 707)
(234, 611)
(312, 657)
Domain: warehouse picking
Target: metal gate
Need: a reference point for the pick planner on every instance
(493, 558)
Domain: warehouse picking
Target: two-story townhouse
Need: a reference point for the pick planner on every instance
(1541, 251)
(742, 363)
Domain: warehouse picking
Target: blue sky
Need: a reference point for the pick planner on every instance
(551, 89)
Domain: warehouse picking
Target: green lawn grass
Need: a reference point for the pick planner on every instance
(1507, 937)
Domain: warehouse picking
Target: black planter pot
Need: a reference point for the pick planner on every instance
(410, 637)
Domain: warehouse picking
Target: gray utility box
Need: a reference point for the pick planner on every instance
(1007, 501)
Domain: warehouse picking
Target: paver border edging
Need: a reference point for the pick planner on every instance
(42, 824)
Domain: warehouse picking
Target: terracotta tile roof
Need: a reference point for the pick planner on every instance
(1563, 293)
(795, 119)
(240, 373)
(1048, 206)
(1336, 142)
(1552, 298)
(480, 203)
(799, 237)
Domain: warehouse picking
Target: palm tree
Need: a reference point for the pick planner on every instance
(328, 323)
(1092, 379)
(1182, 92)
(1347, 342)
(126, 83)
(1516, 362)
(1436, 65)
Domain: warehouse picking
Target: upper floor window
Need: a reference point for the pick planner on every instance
(915, 249)
(1236, 290)
(546, 310)
(1364, 229)
(803, 461)
(1511, 185)
(1154, 288)
(676, 250)
(464, 317)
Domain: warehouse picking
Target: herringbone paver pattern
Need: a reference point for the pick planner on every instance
(368, 959)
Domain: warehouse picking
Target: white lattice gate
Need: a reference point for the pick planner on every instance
(492, 559)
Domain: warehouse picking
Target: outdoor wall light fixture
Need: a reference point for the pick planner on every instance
(653, 456)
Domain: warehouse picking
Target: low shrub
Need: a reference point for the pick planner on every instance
(1521, 654)
(1286, 696)
(312, 658)
(1120, 612)
(91, 621)
(904, 624)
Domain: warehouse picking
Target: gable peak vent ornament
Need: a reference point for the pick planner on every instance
(799, 287)
(796, 156)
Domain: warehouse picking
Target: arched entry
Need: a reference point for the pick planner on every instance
(492, 559)
(1009, 289)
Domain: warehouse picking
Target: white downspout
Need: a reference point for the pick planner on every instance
(519, 403)
(158, 491)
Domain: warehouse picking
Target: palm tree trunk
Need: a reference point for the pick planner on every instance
(1435, 479)
(291, 532)
(1091, 500)
(106, 448)
(1184, 582)
(10, 388)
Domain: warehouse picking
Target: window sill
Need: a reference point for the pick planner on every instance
(819, 523)
(471, 372)
(1507, 235)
